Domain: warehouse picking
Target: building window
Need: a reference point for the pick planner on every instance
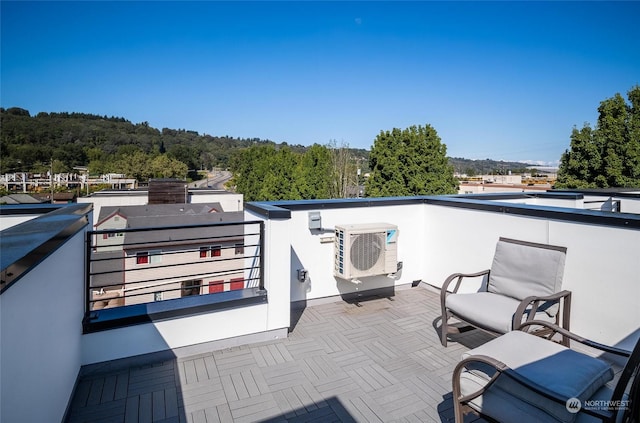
(155, 256)
(157, 296)
(142, 257)
(239, 249)
(112, 235)
(215, 251)
(191, 288)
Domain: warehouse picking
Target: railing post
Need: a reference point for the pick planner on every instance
(87, 271)
(261, 287)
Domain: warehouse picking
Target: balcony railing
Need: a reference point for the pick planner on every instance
(134, 273)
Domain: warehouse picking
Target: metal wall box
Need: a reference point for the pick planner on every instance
(315, 221)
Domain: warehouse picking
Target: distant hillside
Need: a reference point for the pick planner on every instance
(29, 143)
(75, 139)
(487, 166)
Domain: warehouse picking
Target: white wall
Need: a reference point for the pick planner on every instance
(7, 221)
(230, 202)
(309, 252)
(276, 270)
(173, 333)
(577, 203)
(464, 240)
(603, 273)
(602, 268)
(41, 329)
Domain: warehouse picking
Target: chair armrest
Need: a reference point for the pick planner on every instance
(499, 366)
(503, 369)
(561, 331)
(534, 302)
(459, 277)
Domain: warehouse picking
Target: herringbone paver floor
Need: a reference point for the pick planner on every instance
(376, 361)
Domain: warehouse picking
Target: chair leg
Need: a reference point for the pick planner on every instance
(566, 319)
(458, 412)
(444, 328)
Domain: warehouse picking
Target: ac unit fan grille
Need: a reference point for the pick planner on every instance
(366, 249)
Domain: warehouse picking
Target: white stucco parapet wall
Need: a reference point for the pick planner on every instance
(444, 235)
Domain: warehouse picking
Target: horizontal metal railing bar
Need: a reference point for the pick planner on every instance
(148, 244)
(132, 295)
(192, 250)
(156, 266)
(118, 286)
(186, 277)
(209, 239)
(169, 281)
(168, 253)
(163, 228)
(168, 299)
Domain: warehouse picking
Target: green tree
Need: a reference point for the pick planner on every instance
(98, 160)
(185, 154)
(163, 166)
(313, 175)
(250, 168)
(280, 181)
(135, 165)
(407, 162)
(581, 165)
(264, 173)
(343, 172)
(609, 155)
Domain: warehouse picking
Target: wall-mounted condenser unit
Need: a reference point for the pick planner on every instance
(366, 249)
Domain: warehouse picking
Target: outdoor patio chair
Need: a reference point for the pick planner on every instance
(523, 283)
(525, 378)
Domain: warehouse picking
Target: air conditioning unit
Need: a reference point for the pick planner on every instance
(367, 249)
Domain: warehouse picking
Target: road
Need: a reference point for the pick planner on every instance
(214, 180)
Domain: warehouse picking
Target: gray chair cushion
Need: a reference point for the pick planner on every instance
(489, 311)
(522, 269)
(566, 372)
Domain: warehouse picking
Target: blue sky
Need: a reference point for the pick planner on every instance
(499, 80)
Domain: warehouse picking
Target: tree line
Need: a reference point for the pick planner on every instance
(108, 144)
(267, 172)
(401, 162)
(412, 161)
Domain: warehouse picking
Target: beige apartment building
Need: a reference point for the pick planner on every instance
(138, 257)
